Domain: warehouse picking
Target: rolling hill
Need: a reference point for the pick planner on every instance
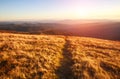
(100, 29)
(25, 56)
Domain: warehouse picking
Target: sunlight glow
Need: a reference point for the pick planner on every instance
(59, 10)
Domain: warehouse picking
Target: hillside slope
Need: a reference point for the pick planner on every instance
(58, 57)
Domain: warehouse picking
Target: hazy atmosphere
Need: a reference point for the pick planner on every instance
(59, 9)
(59, 39)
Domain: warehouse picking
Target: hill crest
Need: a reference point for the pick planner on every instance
(58, 57)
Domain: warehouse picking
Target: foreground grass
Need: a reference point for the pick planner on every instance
(58, 57)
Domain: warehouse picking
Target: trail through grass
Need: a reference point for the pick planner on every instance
(58, 57)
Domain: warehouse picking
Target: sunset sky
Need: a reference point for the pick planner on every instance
(59, 9)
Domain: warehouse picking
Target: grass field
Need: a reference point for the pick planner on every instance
(24, 56)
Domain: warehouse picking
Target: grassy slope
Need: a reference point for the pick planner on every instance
(58, 57)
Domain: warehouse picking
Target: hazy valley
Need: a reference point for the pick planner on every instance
(97, 29)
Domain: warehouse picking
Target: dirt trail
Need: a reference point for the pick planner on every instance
(65, 71)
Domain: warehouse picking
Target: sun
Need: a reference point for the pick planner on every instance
(83, 13)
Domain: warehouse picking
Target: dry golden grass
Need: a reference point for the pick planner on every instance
(58, 57)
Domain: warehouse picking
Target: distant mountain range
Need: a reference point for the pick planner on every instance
(104, 29)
